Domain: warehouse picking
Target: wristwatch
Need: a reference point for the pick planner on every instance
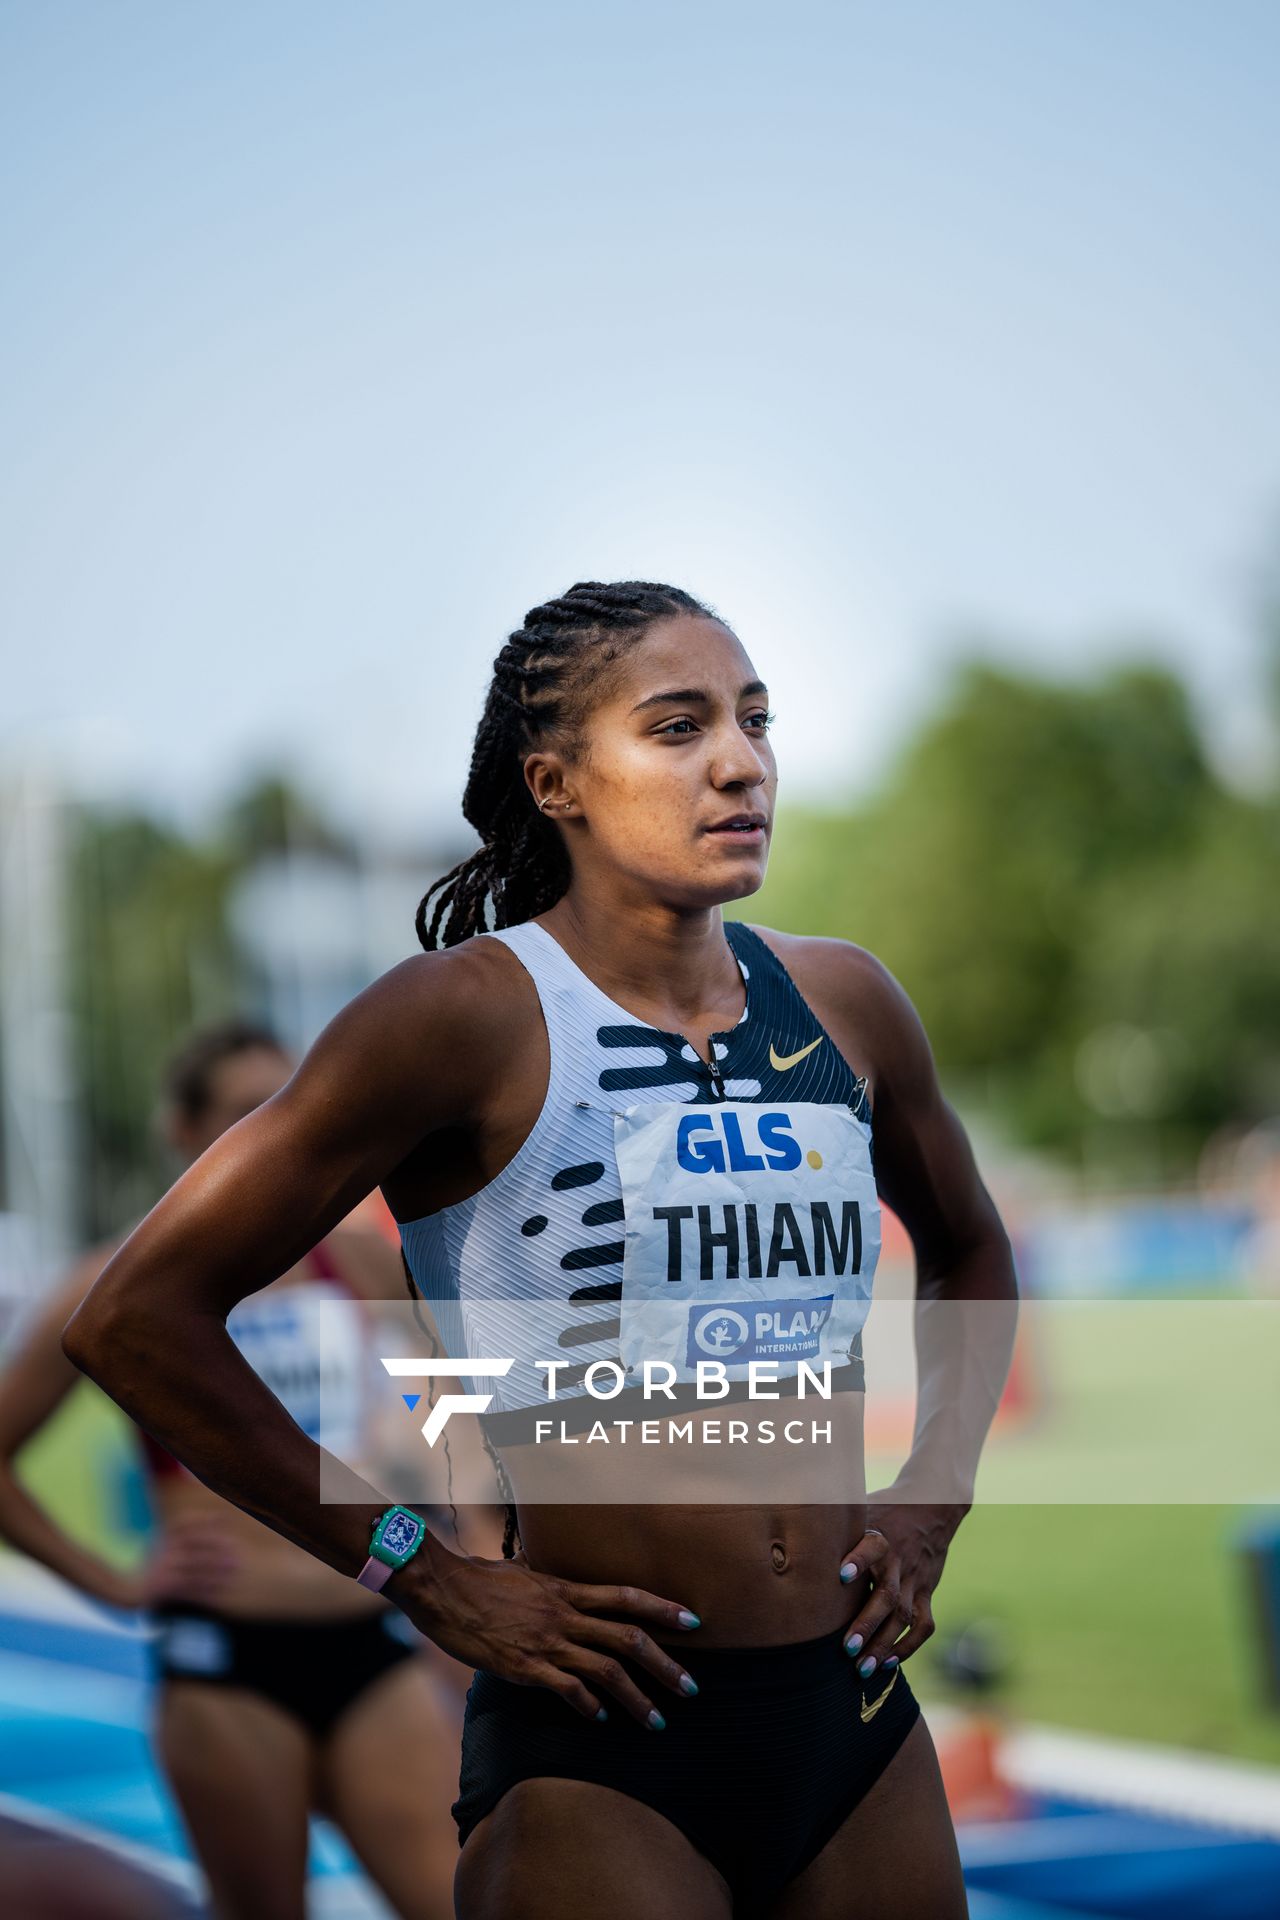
(397, 1535)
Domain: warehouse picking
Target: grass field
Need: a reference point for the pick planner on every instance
(1127, 1620)
(1130, 1620)
(1128, 1612)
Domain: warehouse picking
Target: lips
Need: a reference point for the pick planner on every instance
(744, 823)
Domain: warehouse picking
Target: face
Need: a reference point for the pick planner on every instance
(675, 791)
(236, 1086)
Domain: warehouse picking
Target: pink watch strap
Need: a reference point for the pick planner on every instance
(375, 1574)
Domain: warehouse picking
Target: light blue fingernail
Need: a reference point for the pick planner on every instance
(688, 1683)
(851, 1646)
(602, 1715)
(688, 1619)
(867, 1666)
(849, 1572)
(892, 1660)
(656, 1721)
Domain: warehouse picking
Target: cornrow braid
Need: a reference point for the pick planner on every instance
(545, 680)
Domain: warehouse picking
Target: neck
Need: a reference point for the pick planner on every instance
(677, 962)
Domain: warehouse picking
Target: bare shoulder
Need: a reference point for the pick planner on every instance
(842, 965)
(471, 983)
(855, 994)
(446, 1017)
(841, 970)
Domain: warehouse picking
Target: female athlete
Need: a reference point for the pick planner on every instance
(698, 1709)
(278, 1681)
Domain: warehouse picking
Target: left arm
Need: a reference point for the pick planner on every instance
(965, 1315)
(966, 1286)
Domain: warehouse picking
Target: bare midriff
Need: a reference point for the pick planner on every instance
(751, 1539)
(755, 1576)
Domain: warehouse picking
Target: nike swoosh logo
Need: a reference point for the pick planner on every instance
(782, 1061)
(867, 1711)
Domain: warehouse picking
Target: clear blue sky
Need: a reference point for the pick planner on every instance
(339, 335)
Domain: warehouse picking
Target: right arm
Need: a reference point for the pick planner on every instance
(422, 1049)
(36, 1380)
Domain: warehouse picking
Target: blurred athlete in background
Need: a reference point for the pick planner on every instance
(283, 1687)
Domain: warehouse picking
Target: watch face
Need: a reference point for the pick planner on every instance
(401, 1533)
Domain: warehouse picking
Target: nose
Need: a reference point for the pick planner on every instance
(737, 763)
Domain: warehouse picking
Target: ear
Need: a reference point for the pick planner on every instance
(544, 774)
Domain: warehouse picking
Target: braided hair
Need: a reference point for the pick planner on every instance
(550, 674)
(546, 679)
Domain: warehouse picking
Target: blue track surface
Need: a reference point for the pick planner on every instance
(74, 1706)
(74, 1713)
(1127, 1866)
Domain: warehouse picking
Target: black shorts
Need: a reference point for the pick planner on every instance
(758, 1770)
(314, 1669)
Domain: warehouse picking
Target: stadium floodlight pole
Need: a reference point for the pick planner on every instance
(36, 1083)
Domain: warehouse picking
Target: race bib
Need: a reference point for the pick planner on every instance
(308, 1344)
(751, 1233)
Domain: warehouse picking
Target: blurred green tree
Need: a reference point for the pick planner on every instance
(151, 957)
(272, 814)
(1022, 871)
(154, 956)
(1184, 973)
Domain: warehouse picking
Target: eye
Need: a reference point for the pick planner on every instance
(763, 721)
(669, 728)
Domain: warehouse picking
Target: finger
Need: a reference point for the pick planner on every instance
(200, 1547)
(920, 1629)
(212, 1549)
(201, 1553)
(214, 1579)
(623, 1641)
(194, 1526)
(606, 1674)
(185, 1567)
(882, 1643)
(633, 1600)
(202, 1567)
(867, 1623)
(572, 1691)
(865, 1556)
